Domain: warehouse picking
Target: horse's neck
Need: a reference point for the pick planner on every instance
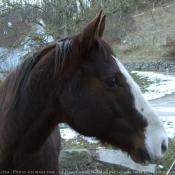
(29, 119)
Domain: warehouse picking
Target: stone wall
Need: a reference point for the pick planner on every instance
(151, 66)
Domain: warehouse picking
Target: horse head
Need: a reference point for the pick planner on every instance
(99, 98)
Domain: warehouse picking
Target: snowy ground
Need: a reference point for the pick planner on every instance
(161, 85)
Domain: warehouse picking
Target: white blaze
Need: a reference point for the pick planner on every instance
(155, 133)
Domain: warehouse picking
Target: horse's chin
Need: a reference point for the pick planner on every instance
(141, 156)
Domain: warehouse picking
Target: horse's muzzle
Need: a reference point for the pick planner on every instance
(144, 156)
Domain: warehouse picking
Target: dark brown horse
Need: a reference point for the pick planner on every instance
(79, 81)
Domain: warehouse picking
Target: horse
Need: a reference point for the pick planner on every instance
(77, 80)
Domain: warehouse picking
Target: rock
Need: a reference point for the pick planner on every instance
(73, 159)
(117, 160)
(165, 64)
(138, 65)
(144, 66)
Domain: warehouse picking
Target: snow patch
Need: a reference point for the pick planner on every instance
(162, 85)
(169, 123)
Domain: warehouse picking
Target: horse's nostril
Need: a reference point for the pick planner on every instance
(163, 147)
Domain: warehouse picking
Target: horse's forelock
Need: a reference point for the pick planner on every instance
(62, 50)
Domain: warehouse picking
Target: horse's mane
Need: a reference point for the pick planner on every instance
(16, 80)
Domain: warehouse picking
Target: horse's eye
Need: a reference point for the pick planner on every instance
(111, 82)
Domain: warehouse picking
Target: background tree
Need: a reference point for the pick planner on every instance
(67, 17)
(62, 17)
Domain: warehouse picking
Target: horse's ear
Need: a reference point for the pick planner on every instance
(84, 40)
(101, 26)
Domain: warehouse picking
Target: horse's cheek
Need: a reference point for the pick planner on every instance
(84, 111)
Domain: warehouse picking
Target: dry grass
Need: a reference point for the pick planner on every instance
(154, 37)
(170, 53)
(141, 54)
(171, 50)
(159, 23)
